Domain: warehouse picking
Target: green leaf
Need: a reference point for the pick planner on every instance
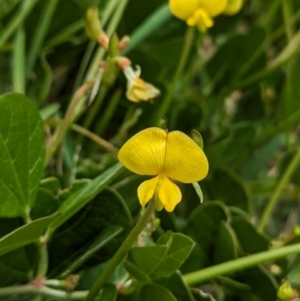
(261, 281)
(24, 235)
(81, 197)
(249, 238)
(17, 266)
(196, 136)
(22, 153)
(135, 272)
(154, 22)
(75, 186)
(109, 293)
(46, 204)
(163, 259)
(203, 226)
(225, 245)
(291, 90)
(152, 291)
(103, 239)
(177, 287)
(91, 225)
(229, 188)
(51, 184)
(231, 60)
(238, 140)
(198, 191)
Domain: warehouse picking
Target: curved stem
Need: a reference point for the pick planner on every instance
(239, 264)
(45, 291)
(278, 191)
(43, 261)
(188, 41)
(61, 131)
(122, 251)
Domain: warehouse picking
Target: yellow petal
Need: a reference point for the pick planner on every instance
(144, 153)
(141, 91)
(185, 161)
(169, 194)
(233, 7)
(146, 190)
(202, 19)
(213, 7)
(183, 9)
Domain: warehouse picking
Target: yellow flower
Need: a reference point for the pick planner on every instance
(198, 13)
(233, 7)
(137, 89)
(165, 155)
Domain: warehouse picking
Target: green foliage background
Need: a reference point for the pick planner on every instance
(239, 88)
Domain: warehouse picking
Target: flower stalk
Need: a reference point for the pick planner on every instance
(122, 251)
(188, 41)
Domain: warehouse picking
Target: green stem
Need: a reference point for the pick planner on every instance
(291, 50)
(64, 34)
(45, 291)
(84, 63)
(239, 264)
(40, 33)
(91, 46)
(165, 104)
(286, 7)
(61, 131)
(122, 251)
(96, 106)
(16, 20)
(43, 261)
(109, 111)
(18, 68)
(110, 30)
(278, 191)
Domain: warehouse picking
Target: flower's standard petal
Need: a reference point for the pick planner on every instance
(233, 7)
(185, 161)
(169, 194)
(146, 190)
(144, 153)
(213, 7)
(183, 9)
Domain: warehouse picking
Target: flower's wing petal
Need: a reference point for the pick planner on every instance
(213, 7)
(142, 90)
(146, 190)
(169, 194)
(144, 153)
(183, 9)
(185, 161)
(130, 95)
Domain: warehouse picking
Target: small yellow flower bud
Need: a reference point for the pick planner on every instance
(285, 291)
(296, 230)
(233, 7)
(93, 27)
(123, 43)
(113, 45)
